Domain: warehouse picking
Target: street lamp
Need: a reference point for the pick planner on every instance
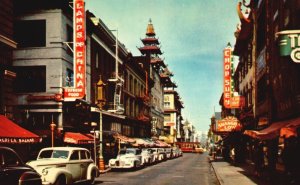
(101, 160)
(94, 124)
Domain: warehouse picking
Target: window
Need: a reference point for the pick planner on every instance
(167, 117)
(116, 127)
(69, 78)
(83, 154)
(30, 79)
(30, 33)
(75, 155)
(9, 159)
(167, 104)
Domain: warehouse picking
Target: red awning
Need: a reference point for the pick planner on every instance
(290, 129)
(77, 138)
(273, 130)
(123, 139)
(12, 133)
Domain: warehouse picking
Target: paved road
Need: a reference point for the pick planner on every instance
(191, 169)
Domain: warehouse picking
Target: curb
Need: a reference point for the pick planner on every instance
(218, 177)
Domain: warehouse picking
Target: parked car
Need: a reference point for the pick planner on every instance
(168, 152)
(127, 158)
(65, 165)
(13, 171)
(160, 154)
(147, 156)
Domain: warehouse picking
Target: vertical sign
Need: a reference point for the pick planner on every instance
(79, 57)
(227, 77)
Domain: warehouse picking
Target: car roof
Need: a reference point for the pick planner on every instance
(64, 148)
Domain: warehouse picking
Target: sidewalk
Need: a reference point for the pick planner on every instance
(229, 174)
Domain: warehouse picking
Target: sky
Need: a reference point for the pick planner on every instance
(192, 35)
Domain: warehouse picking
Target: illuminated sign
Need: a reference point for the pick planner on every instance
(228, 124)
(79, 57)
(289, 44)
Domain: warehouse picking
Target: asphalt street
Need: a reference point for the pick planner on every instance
(191, 169)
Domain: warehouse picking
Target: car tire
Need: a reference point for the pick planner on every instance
(61, 180)
(93, 177)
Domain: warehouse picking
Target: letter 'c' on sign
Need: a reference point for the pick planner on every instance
(295, 55)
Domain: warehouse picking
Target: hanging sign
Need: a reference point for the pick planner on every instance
(289, 44)
(79, 57)
(227, 76)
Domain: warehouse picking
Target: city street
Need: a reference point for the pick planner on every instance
(190, 169)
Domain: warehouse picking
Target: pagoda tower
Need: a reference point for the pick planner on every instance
(151, 47)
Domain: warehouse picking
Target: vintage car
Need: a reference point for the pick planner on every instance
(159, 153)
(65, 165)
(127, 158)
(14, 172)
(147, 156)
(168, 152)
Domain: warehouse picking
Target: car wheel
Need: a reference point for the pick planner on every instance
(93, 176)
(61, 180)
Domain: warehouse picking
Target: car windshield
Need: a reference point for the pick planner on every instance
(130, 152)
(47, 154)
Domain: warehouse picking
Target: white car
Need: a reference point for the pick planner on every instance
(159, 153)
(64, 165)
(147, 156)
(127, 158)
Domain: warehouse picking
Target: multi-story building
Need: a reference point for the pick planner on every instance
(172, 110)
(152, 50)
(7, 45)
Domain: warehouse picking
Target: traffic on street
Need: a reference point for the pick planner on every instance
(191, 168)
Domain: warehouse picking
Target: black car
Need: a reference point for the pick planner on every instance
(14, 172)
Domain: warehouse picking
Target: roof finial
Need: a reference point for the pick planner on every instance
(150, 29)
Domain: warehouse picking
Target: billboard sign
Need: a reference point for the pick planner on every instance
(289, 44)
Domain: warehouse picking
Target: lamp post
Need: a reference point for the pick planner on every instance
(94, 124)
(52, 127)
(101, 160)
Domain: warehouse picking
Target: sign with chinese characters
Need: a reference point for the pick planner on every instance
(79, 57)
(289, 44)
(228, 124)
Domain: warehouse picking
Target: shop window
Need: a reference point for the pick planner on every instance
(30, 79)
(30, 33)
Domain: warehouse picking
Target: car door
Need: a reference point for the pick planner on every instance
(11, 168)
(74, 166)
(85, 161)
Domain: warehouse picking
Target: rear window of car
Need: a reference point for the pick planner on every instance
(8, 158)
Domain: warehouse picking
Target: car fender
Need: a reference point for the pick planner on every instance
(54, 173)
(92, 167)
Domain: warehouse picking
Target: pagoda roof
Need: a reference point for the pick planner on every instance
(153, 49)
(158, 61)
(150, 40)
(166, 81)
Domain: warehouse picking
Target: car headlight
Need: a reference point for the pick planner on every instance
(45, 172)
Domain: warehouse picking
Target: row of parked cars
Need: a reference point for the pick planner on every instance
(53, 166)
(136, 157)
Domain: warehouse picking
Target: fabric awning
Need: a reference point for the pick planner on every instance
(141, 142)
(159, 143)
(273, 130)
(124, 139)
(77, 138)
(12, 133)
(290, 129)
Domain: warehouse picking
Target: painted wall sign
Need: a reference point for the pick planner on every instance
(289, 44)
(79, 57)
